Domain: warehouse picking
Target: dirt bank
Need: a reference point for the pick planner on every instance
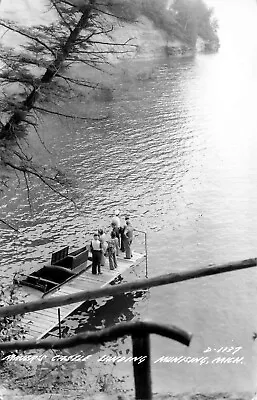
(46, 377)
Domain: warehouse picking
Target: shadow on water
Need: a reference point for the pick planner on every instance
(95, 315)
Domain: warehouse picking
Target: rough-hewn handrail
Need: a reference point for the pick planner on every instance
(126, 287)
(104, 335)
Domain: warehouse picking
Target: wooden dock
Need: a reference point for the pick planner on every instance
(40, 323)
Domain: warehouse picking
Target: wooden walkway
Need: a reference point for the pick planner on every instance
(40, 323)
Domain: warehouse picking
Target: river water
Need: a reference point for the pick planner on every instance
(178, 153)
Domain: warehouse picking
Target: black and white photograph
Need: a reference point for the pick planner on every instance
(128, 213)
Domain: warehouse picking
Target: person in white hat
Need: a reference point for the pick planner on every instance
(116, 219)
(115, 224)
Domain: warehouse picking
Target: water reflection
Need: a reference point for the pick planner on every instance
(99, 314)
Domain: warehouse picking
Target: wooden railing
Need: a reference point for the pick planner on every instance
(126, 287)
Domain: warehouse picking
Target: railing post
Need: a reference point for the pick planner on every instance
(146, 257)
(146, 254)
(59, 322)
(142, 370)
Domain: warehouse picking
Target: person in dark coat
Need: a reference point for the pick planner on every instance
(122, 247)
(116, 230)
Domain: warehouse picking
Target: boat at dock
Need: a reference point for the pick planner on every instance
(63, 268)
(66, 274)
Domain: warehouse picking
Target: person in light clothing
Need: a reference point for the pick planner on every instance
(113, 250)
(115, 224)
(96, 250)
(128, 237)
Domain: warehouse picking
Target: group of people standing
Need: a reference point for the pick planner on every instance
(120, 239)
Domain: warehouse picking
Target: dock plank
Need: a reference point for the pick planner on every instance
(45, 314)
(34, 329)
(37, 327)
(75, 284)
(35, 319)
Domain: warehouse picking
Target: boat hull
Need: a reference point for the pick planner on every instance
(64, 267)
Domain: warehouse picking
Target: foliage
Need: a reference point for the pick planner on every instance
(162, 19)
(44, 375)
(185, 20)
(9, 326)
(195, 18)
(127, 10)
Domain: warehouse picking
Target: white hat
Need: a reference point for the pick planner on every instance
(117, 212)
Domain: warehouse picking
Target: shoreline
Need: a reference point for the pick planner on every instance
(43, 379)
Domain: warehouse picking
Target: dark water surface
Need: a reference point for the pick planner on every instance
(179, 154)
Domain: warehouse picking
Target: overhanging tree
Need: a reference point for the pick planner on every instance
(36, 76)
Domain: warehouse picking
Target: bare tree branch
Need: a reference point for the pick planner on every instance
(20, 32)
(28, 190)
(9, 225)
(115, 44)
(68, 115)
(55, 4)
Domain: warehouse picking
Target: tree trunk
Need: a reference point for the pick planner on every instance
(9, 129)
